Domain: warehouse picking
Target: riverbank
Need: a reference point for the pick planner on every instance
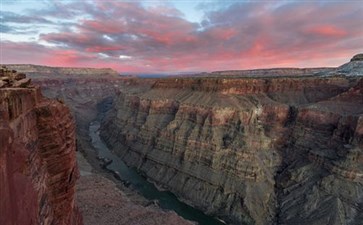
(104, 200)
(168, 201)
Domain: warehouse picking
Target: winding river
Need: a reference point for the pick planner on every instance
(166, 199)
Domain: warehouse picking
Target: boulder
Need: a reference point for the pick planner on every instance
(5, 79)
(22, 83)
(2, 84)
(358, 57)
(19, 76)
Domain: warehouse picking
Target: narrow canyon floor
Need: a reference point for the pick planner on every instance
(102, 201)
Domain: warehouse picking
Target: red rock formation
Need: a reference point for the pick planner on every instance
(37, 160)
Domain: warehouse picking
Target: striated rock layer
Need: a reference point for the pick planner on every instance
(252, 151)
(38, 167)
(80, 88)
(47, 72)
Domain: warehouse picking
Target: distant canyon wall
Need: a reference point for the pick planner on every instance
(252, 151)
(48, 72)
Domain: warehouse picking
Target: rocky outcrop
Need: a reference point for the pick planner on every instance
(357, 57)
(11, 78)
(277, 150)
(352, 68)
(38, 168)
(82, 89)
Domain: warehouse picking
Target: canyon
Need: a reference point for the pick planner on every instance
(100, 197)
(250, 150)
(274, 146)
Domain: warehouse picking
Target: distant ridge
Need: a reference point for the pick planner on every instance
(352, 68)
(39, 71)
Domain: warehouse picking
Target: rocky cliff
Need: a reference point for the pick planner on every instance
(278, 72)
(268, 150)
(81, 89)
(87, 92)
(352, 68)
(38, 167)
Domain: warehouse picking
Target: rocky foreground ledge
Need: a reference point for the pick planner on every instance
(38, 169)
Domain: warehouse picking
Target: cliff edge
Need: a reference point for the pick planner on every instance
(38, 168)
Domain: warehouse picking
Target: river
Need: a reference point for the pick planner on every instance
(166, 199)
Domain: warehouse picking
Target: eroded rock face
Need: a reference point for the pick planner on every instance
(277, 72)
(11, 78)
(252, 151)
(47, 72)
(81, 89)
(357, 57)
(37, 159)
(85, 92)
(352, 68)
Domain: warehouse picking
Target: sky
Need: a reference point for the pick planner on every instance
(180, 36)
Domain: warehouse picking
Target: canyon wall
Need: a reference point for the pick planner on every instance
(47, 72)
(80, 88)
(277, 72)
(38, 168)
(86, 91)
(269, 150)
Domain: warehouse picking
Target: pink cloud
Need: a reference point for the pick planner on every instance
(100, 49)
(104, 26)
(242, 36)
(327, 30)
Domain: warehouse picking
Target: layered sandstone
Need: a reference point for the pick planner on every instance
(48, 72)
(277, 72)
(82, 89)
(38, 167)
(268, 150)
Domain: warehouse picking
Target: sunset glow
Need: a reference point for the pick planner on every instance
(180, 36)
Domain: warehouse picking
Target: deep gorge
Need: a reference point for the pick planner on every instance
(250, 150)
